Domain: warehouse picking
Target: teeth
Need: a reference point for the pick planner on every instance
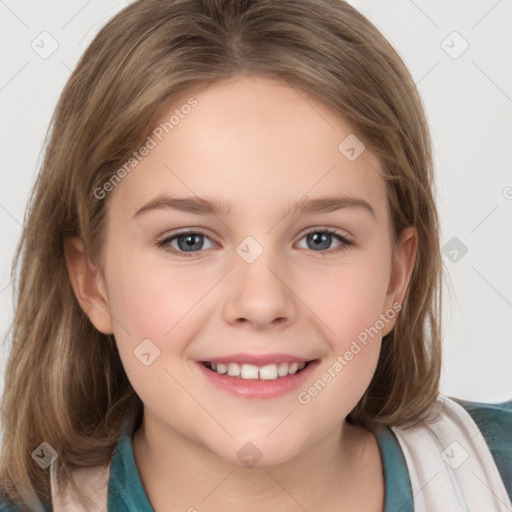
(293, 368)
(249, 371)
(268, 372)
(282, 371)
(233, 370)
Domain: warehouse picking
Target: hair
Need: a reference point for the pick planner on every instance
(64, 381)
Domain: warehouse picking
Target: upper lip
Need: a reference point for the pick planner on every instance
(258, 359)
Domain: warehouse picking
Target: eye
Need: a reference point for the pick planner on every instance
(186, 242)
(320, 240)
(189, 242)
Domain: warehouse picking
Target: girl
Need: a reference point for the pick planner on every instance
(229, 292)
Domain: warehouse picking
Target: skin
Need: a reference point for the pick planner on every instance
(260, 146)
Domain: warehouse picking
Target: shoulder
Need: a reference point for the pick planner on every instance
(495, 423)
(493, 420)
(9, 506)
(6, 506)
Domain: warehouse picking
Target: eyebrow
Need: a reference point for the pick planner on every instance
(203, 206)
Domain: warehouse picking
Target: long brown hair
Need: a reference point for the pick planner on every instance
(64, 382)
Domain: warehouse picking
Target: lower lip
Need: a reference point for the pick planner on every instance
(258, 388)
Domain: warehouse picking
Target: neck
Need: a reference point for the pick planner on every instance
(332, 474)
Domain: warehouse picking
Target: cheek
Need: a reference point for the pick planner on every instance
(149, 302)
(146, 307)
(149, 297)
(150, 310)
(349, 305)
(349, 298)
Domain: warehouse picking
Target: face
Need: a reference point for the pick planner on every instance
(247, 240)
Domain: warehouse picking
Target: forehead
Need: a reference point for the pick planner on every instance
(252, 143)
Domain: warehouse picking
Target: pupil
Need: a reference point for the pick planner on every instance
(320, 240)
(190, 242)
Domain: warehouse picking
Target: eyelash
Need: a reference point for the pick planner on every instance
(165, 243)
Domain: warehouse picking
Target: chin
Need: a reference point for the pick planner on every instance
(259, 452)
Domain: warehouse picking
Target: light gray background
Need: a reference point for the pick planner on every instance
(468, 99)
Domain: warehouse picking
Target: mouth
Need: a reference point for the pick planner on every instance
(263, 377)
(252, 372)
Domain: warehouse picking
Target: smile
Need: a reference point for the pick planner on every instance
(252, 372)
(263, 377)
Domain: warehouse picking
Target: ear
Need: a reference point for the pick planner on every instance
(403, 265)
(88, 285)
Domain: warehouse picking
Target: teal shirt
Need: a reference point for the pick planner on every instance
(126, 493)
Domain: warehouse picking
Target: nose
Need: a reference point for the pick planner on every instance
(260, 295)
